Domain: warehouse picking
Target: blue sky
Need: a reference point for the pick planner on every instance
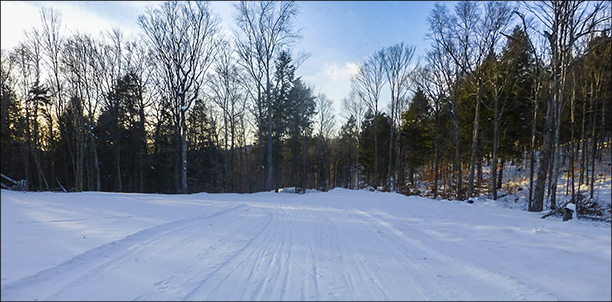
(338, 35)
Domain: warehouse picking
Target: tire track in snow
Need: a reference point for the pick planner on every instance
(347, 271)
(277, 263)
(320, 268)
(501, 287)
(367, 267)
(263, 255)
(51, 284)
(347, 266)
(272, 265)
(192, 280)
(204, 289)
(207, 278)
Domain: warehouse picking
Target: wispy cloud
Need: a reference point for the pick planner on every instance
(139, 5)
(333, 79)
(76, 16)
(341, 71)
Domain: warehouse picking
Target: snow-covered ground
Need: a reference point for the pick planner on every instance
(339, 245)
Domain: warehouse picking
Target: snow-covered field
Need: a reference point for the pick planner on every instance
(339, 245)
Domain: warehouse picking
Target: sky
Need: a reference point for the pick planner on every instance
(337, 35)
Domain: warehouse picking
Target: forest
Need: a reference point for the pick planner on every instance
(184, 108)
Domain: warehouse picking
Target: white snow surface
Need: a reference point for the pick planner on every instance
(338, 245)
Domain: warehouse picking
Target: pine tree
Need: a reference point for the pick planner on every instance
(367, 144)
(417, 131)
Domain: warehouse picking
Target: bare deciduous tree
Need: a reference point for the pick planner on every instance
(264, 28)
(367, 85)
(355, 108)
(468, 37)
(449, 69)
(435, 80)
(227, 92)
(326, 120)
(184, 38)
(563, 24)
(139, 63)
(396, 61)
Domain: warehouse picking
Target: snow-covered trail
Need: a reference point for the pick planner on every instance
(340, 245)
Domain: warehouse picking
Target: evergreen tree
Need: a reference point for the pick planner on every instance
(367, 144)
(300, 110)
(11, 125)
(203, 153)
(344, 153)
(417, 130)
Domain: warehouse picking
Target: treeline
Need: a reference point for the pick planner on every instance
(526, 84)
(502, 81)
(184, 108)
(180, 109)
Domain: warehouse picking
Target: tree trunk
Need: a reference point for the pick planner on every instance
(142, 150)
(117, 147)
(496, 119)
(357, 164)
(304, 179)
(572, 143)
(411, 175)
(474, 147)
(80, 147)
(96, 162)
(552, 157)
(226, 182)
(501, 173)
(457, 139)
(479, 170)
(437, 157)
(183, 147)
(51, 146)
(28, 149)
(593, 143)
(533, 140)
(400, 173)
(177, 164)
(560, 93)
(604, 130)
(391, 128)
(269, 161)
(232, 177)
(376, 184)
(538, 200)
(583, 155)
(556, 166)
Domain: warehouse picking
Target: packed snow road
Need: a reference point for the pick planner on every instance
(339, 245)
